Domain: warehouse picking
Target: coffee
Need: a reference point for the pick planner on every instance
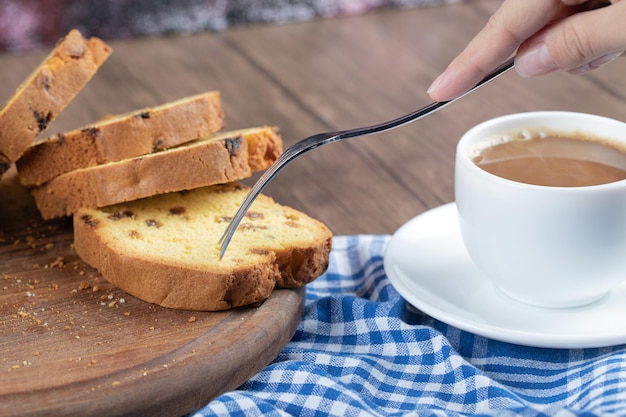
(553, 159)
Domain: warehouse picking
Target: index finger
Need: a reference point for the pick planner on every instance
(513, 23)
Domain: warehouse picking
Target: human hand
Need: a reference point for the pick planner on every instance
(545, 35)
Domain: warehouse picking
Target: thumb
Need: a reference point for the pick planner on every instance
(576, 44)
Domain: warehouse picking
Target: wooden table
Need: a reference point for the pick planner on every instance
(317, 76)
(334, 74)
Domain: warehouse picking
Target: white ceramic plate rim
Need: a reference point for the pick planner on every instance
(427, 263)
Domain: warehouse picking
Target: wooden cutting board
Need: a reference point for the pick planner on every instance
(72, 344)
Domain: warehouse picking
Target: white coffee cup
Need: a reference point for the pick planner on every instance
(542, 245)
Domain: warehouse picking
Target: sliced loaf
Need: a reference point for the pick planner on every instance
(48, 90)
(219, 158)
(123, 136)
(164, 250)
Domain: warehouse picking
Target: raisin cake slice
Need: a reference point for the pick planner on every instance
(164, 249)
(219, 158)
(123, 136)
(48, 90)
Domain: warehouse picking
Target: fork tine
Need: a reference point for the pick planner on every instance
(291, 153)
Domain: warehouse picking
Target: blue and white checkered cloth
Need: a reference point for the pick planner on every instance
(361, 350)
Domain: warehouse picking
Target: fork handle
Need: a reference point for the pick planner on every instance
(321, 139)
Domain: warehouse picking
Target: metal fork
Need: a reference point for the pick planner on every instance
(320, 139)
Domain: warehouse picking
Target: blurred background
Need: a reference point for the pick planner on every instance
(28, 25)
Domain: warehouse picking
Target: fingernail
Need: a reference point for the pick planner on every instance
(435, 84)
(596, 63)
(605, 59)
(535, 61)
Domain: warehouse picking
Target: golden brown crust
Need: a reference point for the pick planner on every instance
(220, 158)
(206, 163)
(48, 90)
(123, 136)
(264, 145)
(163, 262)
(299, 266)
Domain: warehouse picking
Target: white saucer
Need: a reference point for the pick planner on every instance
(426, 261)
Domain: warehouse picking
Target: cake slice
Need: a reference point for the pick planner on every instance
(164, 249)
(48, 90)
(123, 136)
(220, 158)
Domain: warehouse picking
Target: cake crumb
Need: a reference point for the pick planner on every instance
(23, 314)
(59, 262)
